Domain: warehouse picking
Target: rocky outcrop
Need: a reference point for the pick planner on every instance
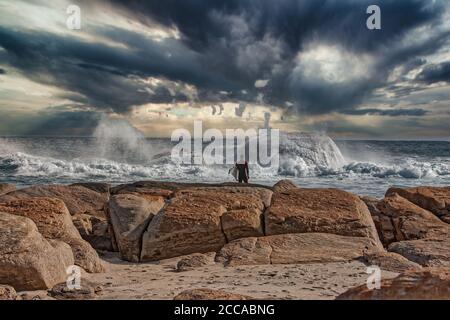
(7, 293)
(209, 294)
(424, 284)
(242, 223)
(192, 220)
(293, 248)
(409, 221)
(389, 261)
(284, 185)
(94, 230)
(50, 216)
(6, 187)
(78, 198)
(85, 256)
(55, 223)
(433, 199)
(334, 211)
(27, 260)
(426, 252)
(383, 223)
(130, 216)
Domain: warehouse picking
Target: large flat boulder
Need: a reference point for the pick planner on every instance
(27, 260)
(54, 222)
(130, 215)
(293, 248)
(78, 198)
(50, 216)
(409, 221)
(298, 210)
(423, 284)
(426, 252)
(191, 221)
(433, 199)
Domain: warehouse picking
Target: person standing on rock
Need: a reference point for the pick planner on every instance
(243, 173)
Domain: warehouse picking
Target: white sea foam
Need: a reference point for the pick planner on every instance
(301, 155)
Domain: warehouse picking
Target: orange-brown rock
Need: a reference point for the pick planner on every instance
(77, 198)
(27, 260)
(433, 199)
(192, 220)
(383, 223)
(130, 216)
(238, 224)
(389, 261)
(54, 222)
(95, 230)
(209, 294)
(293, 248)
(426, 252)
(50, 216)
(410, 221)
(423, 284)
(284, 185)
(320, 210)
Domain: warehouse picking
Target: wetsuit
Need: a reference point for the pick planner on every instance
(243, 173)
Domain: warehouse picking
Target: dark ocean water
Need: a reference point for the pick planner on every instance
(363, 167)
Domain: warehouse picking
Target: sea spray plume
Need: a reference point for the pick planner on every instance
(304, 154)
(117, 139)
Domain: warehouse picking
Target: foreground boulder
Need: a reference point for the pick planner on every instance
(293, 248)
(54, 222)
(27, 260)
(426, 252)
(409, 221)
(389, 261)
(130, 215)
(78, 198)
(209, 294)
(433, 199)
(296, 210)
(424, 284)
(191, 222)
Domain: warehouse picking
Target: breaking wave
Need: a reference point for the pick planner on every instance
(301, 155)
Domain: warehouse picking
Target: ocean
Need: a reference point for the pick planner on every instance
(310, 159)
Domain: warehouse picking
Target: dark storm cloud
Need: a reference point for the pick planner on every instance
(387, 112)
(65, 122)
(435, 73)
(227, 45)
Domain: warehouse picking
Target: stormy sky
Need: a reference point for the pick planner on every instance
(304, 64)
